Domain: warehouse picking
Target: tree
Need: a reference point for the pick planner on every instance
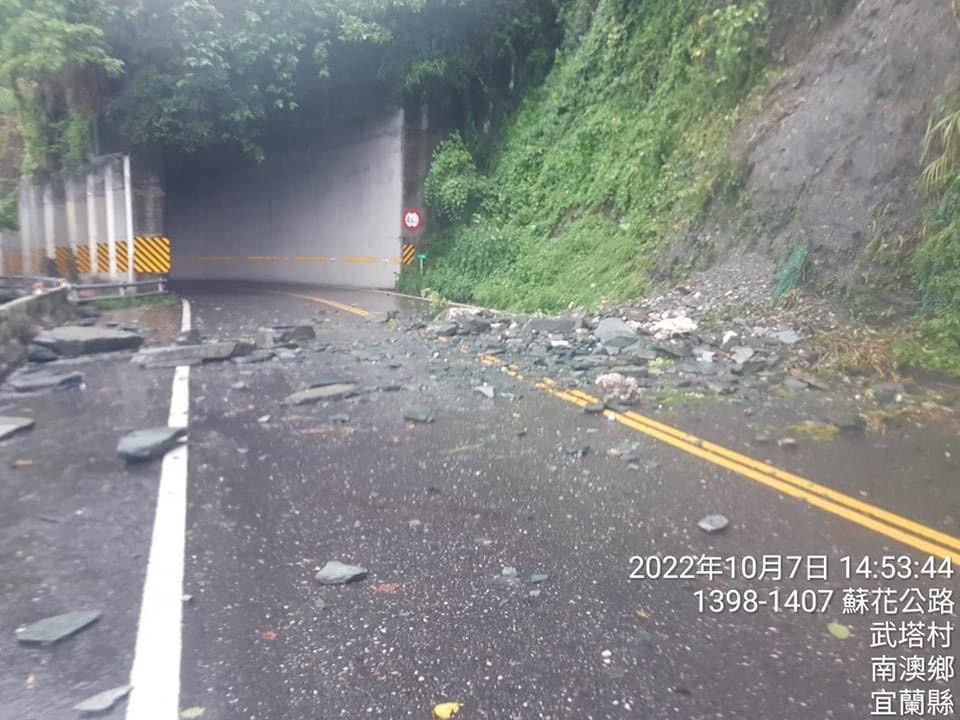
(53, 59)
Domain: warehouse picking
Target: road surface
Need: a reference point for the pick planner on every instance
(451, 519)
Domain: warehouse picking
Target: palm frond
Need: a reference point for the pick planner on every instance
(943, 136)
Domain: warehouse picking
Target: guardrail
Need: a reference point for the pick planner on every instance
(83, 292)
(91, 292)
(31, 283)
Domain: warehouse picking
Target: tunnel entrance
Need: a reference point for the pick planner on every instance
(325, 209)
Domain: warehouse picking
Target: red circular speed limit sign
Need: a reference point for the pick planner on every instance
(412, 219)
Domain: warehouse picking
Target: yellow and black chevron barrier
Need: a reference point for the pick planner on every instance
(150, 255)
(409, 253)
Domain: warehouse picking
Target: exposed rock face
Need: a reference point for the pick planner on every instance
(20, 320)
(834, 155)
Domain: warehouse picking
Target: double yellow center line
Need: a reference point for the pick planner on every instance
(896, 527)
(891, 525)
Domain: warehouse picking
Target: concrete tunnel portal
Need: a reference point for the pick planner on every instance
(325, 210)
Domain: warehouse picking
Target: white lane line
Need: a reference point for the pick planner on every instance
(155, 675)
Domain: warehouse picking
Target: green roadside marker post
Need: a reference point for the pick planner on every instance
(421, 257)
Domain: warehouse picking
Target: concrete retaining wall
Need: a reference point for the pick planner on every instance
(20, 320)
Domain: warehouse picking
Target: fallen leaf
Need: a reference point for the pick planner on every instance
(642, 613)
(840, 632)
(447, 710)
(269, 635)
(385, 587)
(192, 712)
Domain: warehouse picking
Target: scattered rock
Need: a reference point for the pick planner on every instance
(142, 445)
(174, 355)
(811, 380)
(11, 425)
(418, 414)
(553, 325)
(340, 419)
(40, 354)
(336, 391)
(257, 356)
(615, 334)
(887, 392)
(595, 408)
(538, 578)
(741, 354)
(672, 326)
(45, 380)
(850, 420)
(443, 329)
(338, 573)
(486, 390)
(787, 337)
(292, 333)
(791, 383)
(74, 340)
(265, 338)
(53, 629)
(634, 371)
(239, 385)
(787, 443)
(639, 354)
(509, 572)
(619, 388)
(713, 523)
(103, 701)
(377, 316)
(473, 325)
(580, 451)
(191, 337)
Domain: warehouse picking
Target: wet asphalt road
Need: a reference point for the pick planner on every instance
(435, 512)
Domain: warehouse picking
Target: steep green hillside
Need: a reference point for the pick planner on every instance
(621, 150)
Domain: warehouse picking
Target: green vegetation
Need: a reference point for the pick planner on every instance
(126, 303)
(621, 150)
(187, 74)
(936, 263)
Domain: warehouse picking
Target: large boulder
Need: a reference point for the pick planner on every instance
(142, 445)
(74, 340)
(174, 355)
(336, 391)
(615, 334)
(45, 380)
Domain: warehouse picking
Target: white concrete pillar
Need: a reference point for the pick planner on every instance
(49, 225)
(111, 221)
(73, 222)
(92, 220)
(26, 229)
(128, 213)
